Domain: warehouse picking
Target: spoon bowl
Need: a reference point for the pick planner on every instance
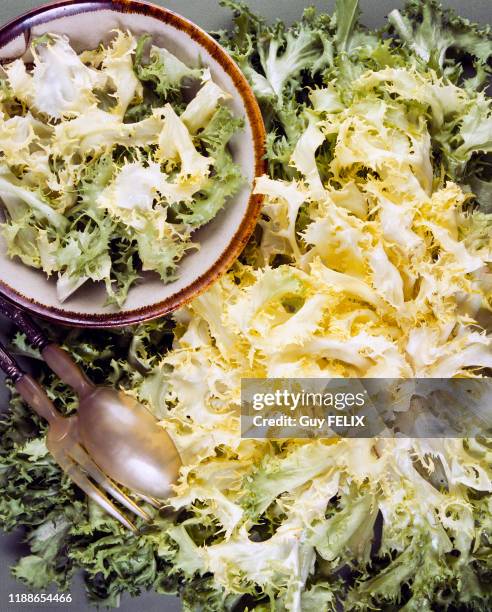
(125, 440)
(121, 435)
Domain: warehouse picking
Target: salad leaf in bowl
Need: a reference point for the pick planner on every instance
(127, 158)
(106, 167)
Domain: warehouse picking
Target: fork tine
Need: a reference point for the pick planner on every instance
(80, 479)
(78, 453)
(152, 501)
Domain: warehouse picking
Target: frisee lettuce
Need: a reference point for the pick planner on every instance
(106, 165)
(372, 258)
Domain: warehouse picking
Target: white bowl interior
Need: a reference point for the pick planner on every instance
(86, 31)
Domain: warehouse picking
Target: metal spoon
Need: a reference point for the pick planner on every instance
(64, 443)
(120, 434)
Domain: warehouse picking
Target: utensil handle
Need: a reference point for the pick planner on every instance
(67, 370)
(34, 334)
(8, 364)
(30, 391)
(57, 359)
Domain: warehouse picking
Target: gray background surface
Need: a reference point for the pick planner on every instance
(209, 15)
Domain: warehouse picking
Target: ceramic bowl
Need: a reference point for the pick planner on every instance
(87, 23)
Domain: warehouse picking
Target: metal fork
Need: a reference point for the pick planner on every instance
(64, 444)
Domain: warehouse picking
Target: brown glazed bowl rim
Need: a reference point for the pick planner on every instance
(68, 8)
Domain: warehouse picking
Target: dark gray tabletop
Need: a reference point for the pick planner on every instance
(209, 15)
